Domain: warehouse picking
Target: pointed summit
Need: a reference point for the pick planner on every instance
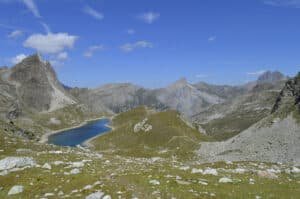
(179, 83)
(270, 77)
(38, 87)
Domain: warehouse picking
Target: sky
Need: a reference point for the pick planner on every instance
(153, 43)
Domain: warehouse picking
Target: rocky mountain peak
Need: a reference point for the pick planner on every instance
(32, 67)
(289, 95)
(37, 85)
(180, 83)
(270, 77)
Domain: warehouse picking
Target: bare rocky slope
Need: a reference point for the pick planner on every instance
(275, 138)
(31, 86)
(186, 98)
(116, 98)
(181, 96)
(247, 106)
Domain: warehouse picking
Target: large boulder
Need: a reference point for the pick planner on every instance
(16, 162)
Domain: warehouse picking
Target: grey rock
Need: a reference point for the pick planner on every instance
(16, 190)
(96, 195)
(15, 162)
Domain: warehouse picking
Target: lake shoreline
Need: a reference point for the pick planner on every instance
(45, 137)
(88, 143)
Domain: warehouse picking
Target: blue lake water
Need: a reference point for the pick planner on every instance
(79, 135)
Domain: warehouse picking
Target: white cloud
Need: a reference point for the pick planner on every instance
(284, 3)
(212, 38)
(92, 12)
(128, 47)
(50, 43)
(256, 73)
(15, 34)
(130, 31)
(32, 7)
(149, 17)
(90, 52)
(62, 56)
(18, 58)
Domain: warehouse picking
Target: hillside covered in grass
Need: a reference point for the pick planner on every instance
(47, 171)
(167, 132)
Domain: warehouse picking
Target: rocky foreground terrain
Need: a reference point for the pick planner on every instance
(182, 141)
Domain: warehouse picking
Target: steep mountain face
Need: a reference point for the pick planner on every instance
(248, 106)
(197, 102)
(32, 86)
(186, 98)
(223, 91)
(116, 98)
(181, 96)
(271, 77)
(108, 98)
(289, 96)
(275, 138)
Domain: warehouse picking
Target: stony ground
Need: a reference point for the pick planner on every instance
(55, 172)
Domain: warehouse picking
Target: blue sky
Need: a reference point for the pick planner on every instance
(153, 43)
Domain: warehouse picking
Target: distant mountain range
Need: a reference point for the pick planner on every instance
(32, 87)
(260, 117)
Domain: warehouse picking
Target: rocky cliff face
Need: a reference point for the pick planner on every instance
(271, 77)
(186, 98)
(116, 98)
(32, 86)
(289, 96)
(180, 96)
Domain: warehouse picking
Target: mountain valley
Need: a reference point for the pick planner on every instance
(182, 141)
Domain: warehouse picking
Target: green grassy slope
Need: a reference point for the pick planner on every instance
(168, 132)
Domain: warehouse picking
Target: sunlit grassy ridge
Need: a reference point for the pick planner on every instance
(168, 132)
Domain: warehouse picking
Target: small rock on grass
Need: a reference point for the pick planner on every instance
(16, 190)
(96, 195)
(210, 171)
(47, 166)
(225, 180)
(75, 171)
(267, 174)
(295, 170)
(154, 182)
